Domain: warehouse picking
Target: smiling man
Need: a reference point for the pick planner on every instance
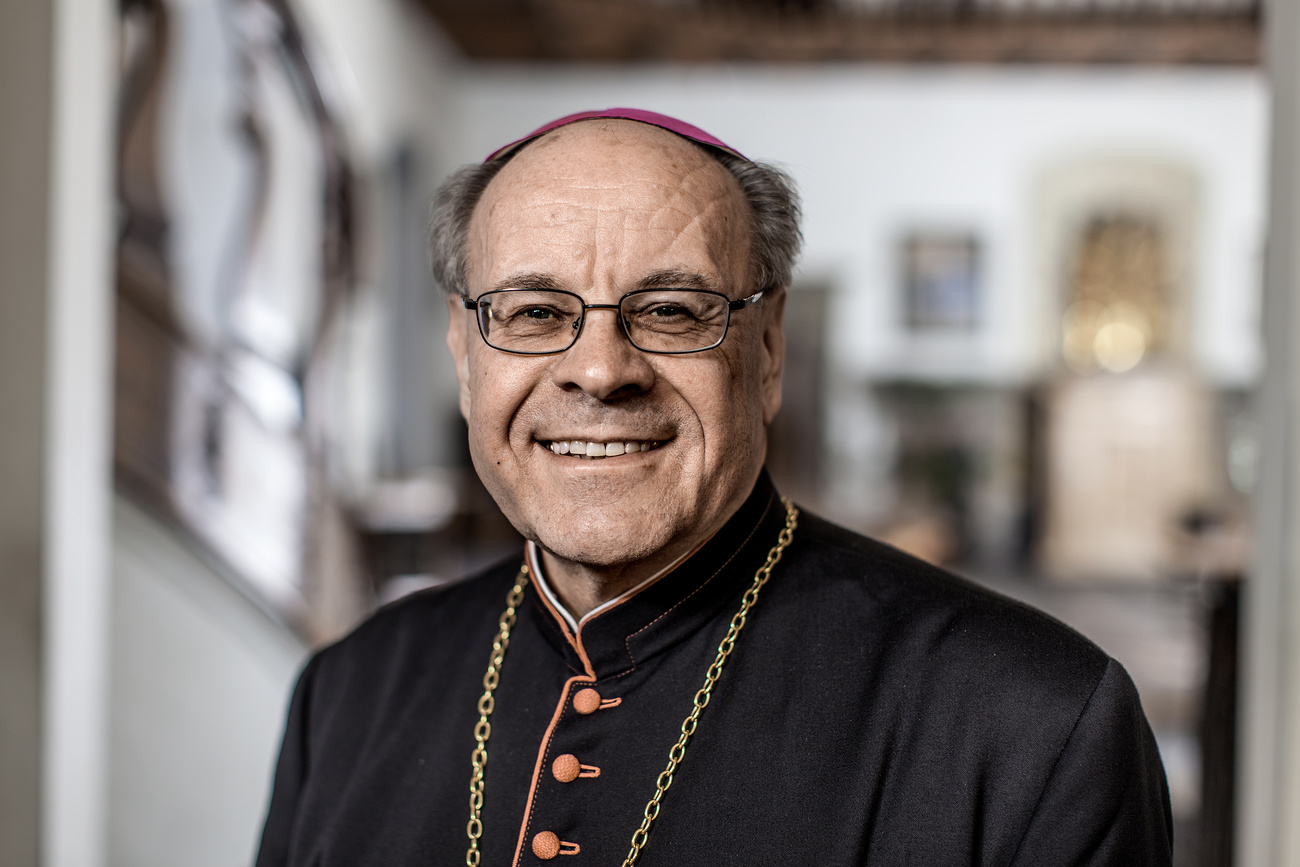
(683, 669)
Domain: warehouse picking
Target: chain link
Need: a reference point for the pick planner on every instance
(725, 647)
(678, 751)
(486, 704)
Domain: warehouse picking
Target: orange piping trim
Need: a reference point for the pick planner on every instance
(542, 753)
(564, 625)
(644, 587)
(627, 642)
(576, 642)
(630, 594)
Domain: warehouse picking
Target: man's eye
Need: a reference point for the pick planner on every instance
(666, 311)
(538, 313)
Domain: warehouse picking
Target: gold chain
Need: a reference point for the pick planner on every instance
(486, 703)
(678, 751)
(728, 644)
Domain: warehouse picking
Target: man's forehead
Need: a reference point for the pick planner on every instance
(615, 166)
(616, 175)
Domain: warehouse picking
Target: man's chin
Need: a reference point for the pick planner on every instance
(604, 545)
(609, 555)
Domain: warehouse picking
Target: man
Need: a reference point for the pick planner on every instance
(684, 670)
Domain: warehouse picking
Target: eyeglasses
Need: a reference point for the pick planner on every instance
(663, 321)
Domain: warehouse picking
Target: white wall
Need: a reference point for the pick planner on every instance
(391, 90)
(200, 685)
(877, 151)
(386, 63)
(77, 437)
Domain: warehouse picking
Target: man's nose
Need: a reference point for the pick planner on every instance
(603, 362)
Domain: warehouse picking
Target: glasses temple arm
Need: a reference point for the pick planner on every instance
(745, 302)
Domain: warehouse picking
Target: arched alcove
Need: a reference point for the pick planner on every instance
(1126, 445)
(1116, 237)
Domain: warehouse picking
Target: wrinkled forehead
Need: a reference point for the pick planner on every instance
(620, 169)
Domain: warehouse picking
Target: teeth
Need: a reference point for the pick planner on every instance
(590, 450)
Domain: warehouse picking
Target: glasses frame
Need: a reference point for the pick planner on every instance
(478, 306)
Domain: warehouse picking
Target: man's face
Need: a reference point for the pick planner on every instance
(602, 208)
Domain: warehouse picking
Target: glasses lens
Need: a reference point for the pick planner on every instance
(675, 320)
(529, 320)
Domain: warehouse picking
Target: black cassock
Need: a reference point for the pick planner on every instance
(876, 710)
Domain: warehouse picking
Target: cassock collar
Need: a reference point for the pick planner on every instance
(671, 605)
(533, 554)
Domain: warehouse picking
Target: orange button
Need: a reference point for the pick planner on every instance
(546, 845)
(566, 768)
(586, 701)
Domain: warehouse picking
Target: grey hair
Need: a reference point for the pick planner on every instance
(773, 204)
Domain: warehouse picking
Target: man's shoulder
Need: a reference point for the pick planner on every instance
(990, 711)
(939, 624)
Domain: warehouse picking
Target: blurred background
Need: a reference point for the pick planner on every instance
(1026, 342)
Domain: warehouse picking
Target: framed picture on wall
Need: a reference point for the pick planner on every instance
(941, 281)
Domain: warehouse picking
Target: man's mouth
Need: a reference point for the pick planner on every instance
(590, 450)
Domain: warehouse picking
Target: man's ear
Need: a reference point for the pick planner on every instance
(458, 346)
(773, 352)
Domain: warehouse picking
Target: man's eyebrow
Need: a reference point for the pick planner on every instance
(675, 278)
(529, 280)
(665, 278)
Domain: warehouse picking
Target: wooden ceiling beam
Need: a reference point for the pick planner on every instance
(601, 31)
